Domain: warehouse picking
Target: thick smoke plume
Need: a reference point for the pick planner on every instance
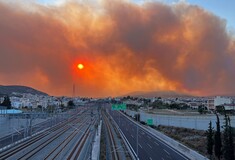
(124, 47)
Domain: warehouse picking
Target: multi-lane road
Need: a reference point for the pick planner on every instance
(149, 146)
(116, 149)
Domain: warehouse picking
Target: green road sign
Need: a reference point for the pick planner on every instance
(118, 107)
(149, 121)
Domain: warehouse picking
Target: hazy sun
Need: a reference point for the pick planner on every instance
(80, 66)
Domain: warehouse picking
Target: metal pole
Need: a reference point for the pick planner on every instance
(137, 139)
(30, 125)
(119, 118)
(91, 150)
(12, 137)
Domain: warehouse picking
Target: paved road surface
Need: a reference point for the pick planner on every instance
(149, 146)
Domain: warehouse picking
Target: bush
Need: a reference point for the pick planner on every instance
(142, 122)
(137, 117)
(202, 109)
(152, 126)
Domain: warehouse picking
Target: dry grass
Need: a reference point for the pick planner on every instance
(194, 139)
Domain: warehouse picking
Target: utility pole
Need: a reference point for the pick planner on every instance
(74, 90)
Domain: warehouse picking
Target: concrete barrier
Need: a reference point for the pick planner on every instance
(199, 122)
(95, 155)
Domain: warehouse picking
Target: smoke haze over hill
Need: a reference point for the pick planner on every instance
(124, 47)
(9, 90)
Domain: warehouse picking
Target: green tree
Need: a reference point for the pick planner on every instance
(220, 109)
(39, 106)
(185, 106)
(217, 140)
(6, 102)
(62, 107)
(137, 117)
(158, 104)
(202, 109)
(174, 106)
(226, 145)
(51, 108)
(71, 104)
(210, 141)
(231, 145)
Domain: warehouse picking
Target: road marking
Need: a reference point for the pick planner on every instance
(149, 145)
(150, 158)
(140, 146)
(164, 143)
(132, 136)
(155, 137)
(166, 152)
(156, 143)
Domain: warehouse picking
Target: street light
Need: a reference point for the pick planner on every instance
(137, 130)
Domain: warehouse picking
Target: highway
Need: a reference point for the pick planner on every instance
(115, 149)
(149, 146)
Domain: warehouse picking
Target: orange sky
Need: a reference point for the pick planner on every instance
(124, 47)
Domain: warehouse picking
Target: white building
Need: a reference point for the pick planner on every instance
(211, 104)
(218, 100)
(222, 100)
(194, 105)
(229, 107)
(16, 104)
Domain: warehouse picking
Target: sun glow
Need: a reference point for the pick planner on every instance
(80, 66)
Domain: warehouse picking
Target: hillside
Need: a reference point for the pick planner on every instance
(9, 90)
(165, 94)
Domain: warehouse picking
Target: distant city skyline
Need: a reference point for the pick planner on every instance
(123, 46)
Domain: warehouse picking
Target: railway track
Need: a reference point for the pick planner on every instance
(20, 133)
(79, 145)
(58, 150)
(12, 151)
(29, 148)
(112, 141)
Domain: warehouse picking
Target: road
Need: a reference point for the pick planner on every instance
(115, 149)
(149, 146)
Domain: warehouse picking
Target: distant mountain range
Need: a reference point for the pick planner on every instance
(164, 94)
(9, 90)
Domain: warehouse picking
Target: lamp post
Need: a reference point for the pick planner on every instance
(137, 131)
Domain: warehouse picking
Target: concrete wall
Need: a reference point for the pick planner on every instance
(193, 122)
